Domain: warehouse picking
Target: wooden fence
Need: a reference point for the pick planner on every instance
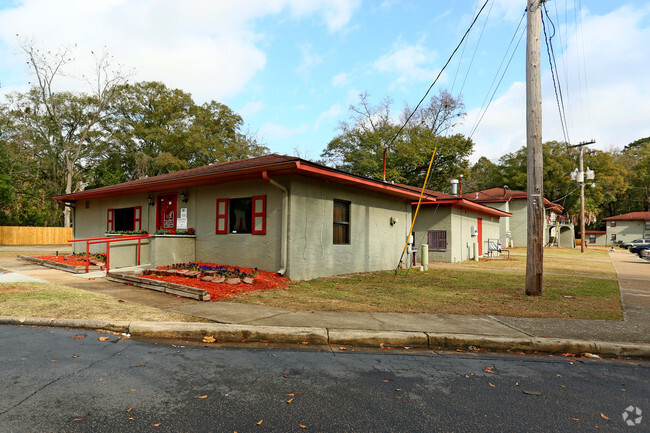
(34, 235)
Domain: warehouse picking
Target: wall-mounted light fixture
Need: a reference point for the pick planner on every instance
(184, 197)
(151, 201)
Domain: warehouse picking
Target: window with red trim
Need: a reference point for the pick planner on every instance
(245, 215)
(259, 215)
(124, 219)
(222, 216)
(109, 219)
(137, 218)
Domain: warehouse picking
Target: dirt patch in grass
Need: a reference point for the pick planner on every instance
(450, 291)
(7, 289)
(57, 301)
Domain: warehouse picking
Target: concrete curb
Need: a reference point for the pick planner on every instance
(115, 326)
(226, 332)
(323, 336)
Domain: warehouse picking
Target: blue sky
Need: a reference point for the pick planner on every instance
(291, 68)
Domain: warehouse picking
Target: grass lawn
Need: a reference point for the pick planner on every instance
(487, 287)
(57, 301)
(593, 262)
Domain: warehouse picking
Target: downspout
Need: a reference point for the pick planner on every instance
(285, 221)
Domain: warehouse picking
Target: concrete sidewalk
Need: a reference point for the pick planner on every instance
(633, 333)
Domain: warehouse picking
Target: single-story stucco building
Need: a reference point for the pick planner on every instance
(513, 231)
(627, 227)
(450, 226)
(275, 212)
(596, 237)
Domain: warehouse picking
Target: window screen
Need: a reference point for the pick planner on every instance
(341, 222)
(437, 240)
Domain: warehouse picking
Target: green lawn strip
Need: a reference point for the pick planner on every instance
(449, 291)
(58, 301)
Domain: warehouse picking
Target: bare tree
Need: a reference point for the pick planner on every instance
(441, 115)
(71, 118)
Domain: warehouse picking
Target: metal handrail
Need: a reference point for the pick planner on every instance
(107, 240)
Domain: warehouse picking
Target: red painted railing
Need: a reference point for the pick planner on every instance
(107, 240)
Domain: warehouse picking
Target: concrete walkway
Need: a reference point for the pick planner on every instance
(633, 274)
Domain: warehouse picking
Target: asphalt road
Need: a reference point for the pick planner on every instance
(66, 380)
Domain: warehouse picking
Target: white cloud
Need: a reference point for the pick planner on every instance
(410, 63)
(210, 49)
(250, 109)
(309, 59)
(341, 80)
(272, 132)
(610, 106)
(333, 112)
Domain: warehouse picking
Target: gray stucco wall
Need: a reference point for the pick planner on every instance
(458, 224)
(374, 243)
(626, 231)
(239, 249)
(434, 218)
(90, 222)
(518, 223)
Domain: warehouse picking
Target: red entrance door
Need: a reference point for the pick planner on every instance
(166, 216)
(479, 229)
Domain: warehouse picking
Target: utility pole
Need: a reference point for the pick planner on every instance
(580, 177)
(535, 178)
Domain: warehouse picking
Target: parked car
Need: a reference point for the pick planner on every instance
(635, 242)
(638, 248)
(645, 254)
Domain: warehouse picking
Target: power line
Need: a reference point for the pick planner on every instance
(462, 53)
(555, 76)
(476, 48)
(392, 140)
(484, 110)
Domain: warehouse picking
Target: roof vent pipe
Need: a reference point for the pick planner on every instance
(454, 186)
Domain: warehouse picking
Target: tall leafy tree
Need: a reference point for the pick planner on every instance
(484, 174)
(63, 121)
(156, 130)
(372, 129)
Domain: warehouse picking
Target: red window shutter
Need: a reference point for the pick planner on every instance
(222, 216)
(137, 218)
(109, 219)
(259, 215)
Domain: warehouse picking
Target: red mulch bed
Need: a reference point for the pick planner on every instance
(220, 291)
(64, 259)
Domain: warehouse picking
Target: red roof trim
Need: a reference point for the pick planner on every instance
(322, 172)
(239, 170)
(461, 203)
(499, 195)
(632, 216)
